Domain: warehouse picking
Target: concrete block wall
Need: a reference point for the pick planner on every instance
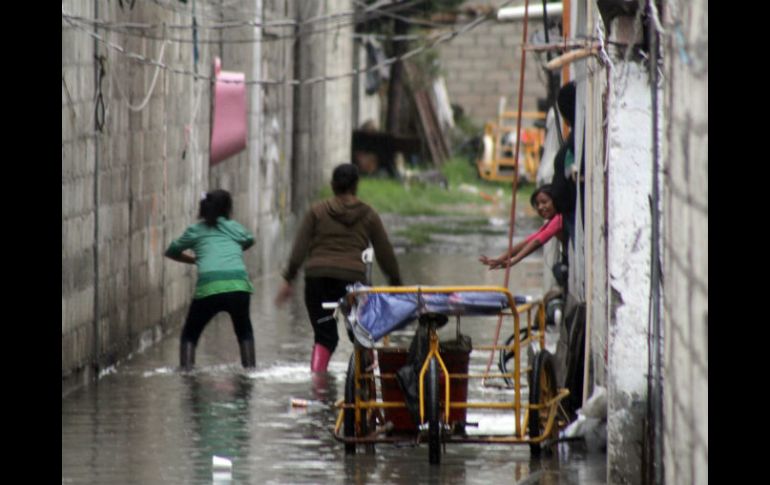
(629, 183)
(78, 192)
(483, 64)
(132, 187)
(596, 230)
(309, 107)
(685, 244)
(616, 244)
(338, 109)
(129, 190)
(275, 176)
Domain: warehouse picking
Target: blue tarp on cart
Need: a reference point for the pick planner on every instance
(378, 314)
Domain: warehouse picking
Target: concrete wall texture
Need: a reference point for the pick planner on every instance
(618, 236)
(613, 272)
(483, 64)
(131, 188)
(629, 187)
(685, 244)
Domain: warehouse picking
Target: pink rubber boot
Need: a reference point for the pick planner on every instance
(320, 359)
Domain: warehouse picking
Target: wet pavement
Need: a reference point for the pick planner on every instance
(145, 422)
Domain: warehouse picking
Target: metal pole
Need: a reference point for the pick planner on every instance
(656, 399)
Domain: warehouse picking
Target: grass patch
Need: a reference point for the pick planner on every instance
(391, 196)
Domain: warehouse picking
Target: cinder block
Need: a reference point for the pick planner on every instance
(139, 246)
(152, 182)
(153, 149)
(80, 267)
(79, 308)
(72, 196)
(488, 41)
(155, 306)
(77, 234)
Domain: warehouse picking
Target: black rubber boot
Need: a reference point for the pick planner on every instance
(186, 355)
(248, 359)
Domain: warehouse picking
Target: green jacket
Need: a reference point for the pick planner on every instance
(218, 256)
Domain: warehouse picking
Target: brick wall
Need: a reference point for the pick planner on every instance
(483, 64)
(128, 190)
(685, 244)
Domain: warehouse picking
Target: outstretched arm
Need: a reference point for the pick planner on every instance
(383, 251)
(297, 257)
(528, 249)
(182, 257)
(284, 293)
(496, 262)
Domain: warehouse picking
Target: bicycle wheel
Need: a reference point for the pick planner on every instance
(366, 392)
(542, 388)
(575, 365)
(434, 413)
(504, 356)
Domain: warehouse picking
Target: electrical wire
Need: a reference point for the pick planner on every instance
(439, 39)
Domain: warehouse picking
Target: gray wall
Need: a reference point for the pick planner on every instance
(615, 246)
(129, 190)
(685, 244)
(483, 64)
(618, 178)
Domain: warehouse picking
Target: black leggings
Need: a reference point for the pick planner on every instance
(318, 291)
(202, 310)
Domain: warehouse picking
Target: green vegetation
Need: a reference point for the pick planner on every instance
(393, 196)
(467, 194)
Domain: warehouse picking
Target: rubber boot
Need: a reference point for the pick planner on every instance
(186, 355)
(248, 358)
(320, 359)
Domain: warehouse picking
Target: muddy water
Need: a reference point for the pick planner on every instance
(145, 423)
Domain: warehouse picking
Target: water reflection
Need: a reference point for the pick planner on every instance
(147, 423)
(218, 412)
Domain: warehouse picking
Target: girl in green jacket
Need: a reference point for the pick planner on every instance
(217, 244)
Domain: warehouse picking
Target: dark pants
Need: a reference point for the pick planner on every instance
(318, 291)
(202, 310)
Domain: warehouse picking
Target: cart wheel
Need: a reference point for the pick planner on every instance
(574, 373)
(434, 419)
(506, 355)
(367, 393)
(542, 388)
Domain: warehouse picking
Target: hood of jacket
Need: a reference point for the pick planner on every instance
(347, 214)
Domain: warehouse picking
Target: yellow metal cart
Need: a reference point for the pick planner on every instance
(365, 418)
(497, 162)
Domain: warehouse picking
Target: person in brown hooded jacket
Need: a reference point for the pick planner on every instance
(330, 240)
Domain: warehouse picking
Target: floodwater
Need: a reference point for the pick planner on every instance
(144, 422)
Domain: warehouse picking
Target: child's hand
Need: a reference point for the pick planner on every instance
(493, 263)
(283, 294)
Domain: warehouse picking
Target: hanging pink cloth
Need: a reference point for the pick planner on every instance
(228, 127)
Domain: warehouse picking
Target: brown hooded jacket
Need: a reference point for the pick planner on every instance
(332, 237)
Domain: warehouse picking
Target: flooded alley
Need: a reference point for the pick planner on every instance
(198, 140)
(145, 422)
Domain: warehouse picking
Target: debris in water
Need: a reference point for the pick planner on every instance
(221, 463)
(304, 403)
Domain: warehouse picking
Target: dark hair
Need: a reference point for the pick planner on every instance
(546, 189)
(345, 179)
(216, 203)
(566, 102)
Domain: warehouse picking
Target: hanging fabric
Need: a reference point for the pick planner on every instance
(228, 125)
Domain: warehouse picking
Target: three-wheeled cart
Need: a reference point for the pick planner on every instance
(435, 374)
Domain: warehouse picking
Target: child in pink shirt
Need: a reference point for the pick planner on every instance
(542, 201)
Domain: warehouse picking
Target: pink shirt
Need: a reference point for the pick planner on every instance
(547, 231)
